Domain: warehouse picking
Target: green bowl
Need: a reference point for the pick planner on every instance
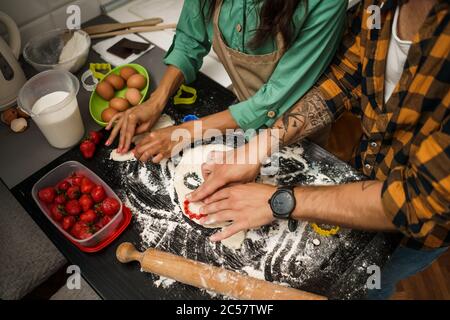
(97, 104)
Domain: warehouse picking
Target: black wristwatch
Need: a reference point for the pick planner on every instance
(283, 204)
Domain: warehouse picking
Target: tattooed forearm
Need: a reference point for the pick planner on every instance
(367, 184)
(306, 117)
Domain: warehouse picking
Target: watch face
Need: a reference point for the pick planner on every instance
(283, 203)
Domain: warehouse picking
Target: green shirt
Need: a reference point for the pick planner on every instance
(317, 35)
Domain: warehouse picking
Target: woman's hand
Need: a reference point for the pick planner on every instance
(246, 206)
(134, 121)
(158, 145)
(141, 118)
(224, 168)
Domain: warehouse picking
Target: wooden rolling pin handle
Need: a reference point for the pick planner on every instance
(126, 253)
(208, 277)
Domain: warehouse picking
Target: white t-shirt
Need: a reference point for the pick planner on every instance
(397, 55)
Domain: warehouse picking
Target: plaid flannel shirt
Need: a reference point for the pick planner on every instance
(406, 141)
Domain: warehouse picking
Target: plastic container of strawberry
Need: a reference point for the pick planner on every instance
(63, 171)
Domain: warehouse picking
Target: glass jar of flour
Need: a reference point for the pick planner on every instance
(50, 98)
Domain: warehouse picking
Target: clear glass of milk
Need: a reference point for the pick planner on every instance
(50, 98)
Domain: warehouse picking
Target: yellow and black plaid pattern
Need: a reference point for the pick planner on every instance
(406, 141)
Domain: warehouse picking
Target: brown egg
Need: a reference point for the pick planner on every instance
(105, 90)
(137, 81)
(108, 113)
(116, 81)
(119, 104)
(127, 72)
(9, 115)
(133, 96)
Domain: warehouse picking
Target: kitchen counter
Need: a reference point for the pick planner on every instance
(25, 153)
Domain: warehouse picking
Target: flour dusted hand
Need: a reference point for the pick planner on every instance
(188, 176)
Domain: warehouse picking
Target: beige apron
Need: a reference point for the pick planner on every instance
(248, 73)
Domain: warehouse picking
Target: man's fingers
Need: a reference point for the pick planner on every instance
(206, 189)
(215, 207)
(227, 232)
(206, 170)
(217, 196)
(218, 218)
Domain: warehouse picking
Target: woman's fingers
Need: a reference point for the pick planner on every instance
(123, 129)
(158, 158)
(130, 131)
(143, 127)
(116, 128)
(113, 120)
(146, 151)
(227, 232)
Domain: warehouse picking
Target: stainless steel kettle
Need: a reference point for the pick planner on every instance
(12, 77)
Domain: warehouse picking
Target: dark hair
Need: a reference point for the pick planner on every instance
(275, 16)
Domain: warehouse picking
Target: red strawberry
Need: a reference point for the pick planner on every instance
(86, 202)
(60, 199)
(98, 194)
(58, 212)
(103, 222)
(110, 206)
(73, 192)
(73, 208)
(76, 229)
(63, 186)
(47, 195)
(88, 217)
(86, 186)
(87, 149)
(81, 230)
(68, 222)
(98, 208)
(95, 136)
(76, 179)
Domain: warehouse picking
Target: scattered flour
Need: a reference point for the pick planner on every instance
(271, 250)
(164, 282)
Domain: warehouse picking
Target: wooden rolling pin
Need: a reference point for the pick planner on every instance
(135, 30)
(208, 277)
(108, 27)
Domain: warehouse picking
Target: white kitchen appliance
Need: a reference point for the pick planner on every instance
(12, 77)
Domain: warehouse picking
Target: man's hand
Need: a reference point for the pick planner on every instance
(217, 173)
(245, 205)
(158, 145)
(134, 121)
